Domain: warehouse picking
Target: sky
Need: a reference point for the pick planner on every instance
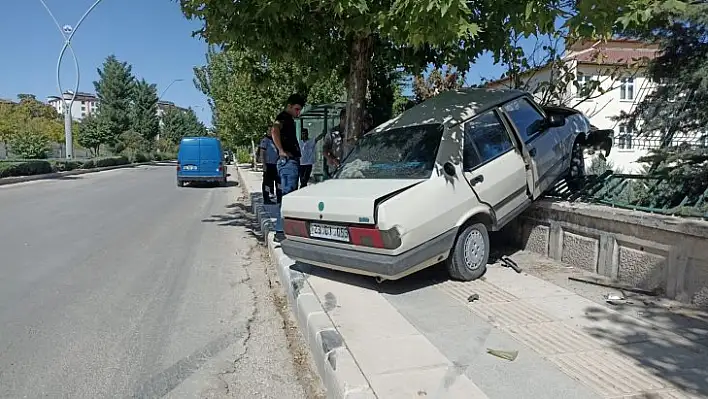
(151, 35)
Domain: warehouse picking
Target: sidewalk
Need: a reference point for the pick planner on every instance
(421, 337)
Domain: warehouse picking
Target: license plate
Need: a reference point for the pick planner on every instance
(189, 167)
(337, 233)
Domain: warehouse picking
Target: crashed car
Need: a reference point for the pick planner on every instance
(428, 186)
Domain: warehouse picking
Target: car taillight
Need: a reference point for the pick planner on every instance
(293, 227)
(178, 168)
(221, 166)
(375, 238)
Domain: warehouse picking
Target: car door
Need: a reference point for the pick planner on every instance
(543, 146)
(494, 166)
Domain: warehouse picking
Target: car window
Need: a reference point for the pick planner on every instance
(526, 118)
(486, 138)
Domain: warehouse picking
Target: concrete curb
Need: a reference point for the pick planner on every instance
(340, 373)
(58, 175)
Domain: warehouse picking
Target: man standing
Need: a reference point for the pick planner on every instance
(333, 145)
(285, 139)
(271, 181)
(307, 148)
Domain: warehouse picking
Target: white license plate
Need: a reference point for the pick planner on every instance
(189, 167)
(337, 233)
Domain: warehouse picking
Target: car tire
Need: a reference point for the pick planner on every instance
(576, 172)
(223, 182)
(470, 253)
(180, 183)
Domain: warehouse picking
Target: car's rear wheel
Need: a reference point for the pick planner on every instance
(468, 260)
(180, 183)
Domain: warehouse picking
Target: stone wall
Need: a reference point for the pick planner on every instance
(646, 250)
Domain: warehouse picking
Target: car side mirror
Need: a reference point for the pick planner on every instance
(555, 121)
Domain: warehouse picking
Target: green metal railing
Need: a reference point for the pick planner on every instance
(647, 193)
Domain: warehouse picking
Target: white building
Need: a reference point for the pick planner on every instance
(617, 67)
(84, 104)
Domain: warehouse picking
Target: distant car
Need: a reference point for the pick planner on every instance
(228, 157)
(428, 186)
(200, 160)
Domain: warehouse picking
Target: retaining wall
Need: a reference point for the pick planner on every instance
(655, 252)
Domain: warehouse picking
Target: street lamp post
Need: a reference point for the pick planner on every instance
(157, 137)
(67, 32)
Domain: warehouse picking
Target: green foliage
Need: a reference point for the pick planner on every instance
(24, 168)
(246, 91)
(143, 115)
(114, 89)
(94, 132)
(134, 145)
(178, 123)
(30, 142)
(243, 154)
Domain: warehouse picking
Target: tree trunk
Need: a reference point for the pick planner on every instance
(357, 82)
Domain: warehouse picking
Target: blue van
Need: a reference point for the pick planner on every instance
(200, 159)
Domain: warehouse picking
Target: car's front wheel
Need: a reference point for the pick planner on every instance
(468, 260)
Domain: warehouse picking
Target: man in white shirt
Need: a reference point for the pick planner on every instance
(307, 157)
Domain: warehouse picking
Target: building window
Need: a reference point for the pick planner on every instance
(83, 102)
(83, 108)
(624, 139)
(583, 80)
(627, 89)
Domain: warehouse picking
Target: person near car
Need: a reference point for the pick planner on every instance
(307, 148)
(285, 139)
(333, 144)
(271, 181)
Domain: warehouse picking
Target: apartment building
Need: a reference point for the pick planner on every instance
(617, 67)
(84, 104)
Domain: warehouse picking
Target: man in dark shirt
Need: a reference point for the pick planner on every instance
(285, 138)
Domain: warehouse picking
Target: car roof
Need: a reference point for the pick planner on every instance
(452, 107)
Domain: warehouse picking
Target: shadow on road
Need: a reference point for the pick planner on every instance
(210, 185)
(238, 214)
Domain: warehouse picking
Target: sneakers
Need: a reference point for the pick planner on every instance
(279, 236)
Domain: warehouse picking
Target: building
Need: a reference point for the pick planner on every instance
(614, 71)
(84, 104)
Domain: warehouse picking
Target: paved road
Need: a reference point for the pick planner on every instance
(120, 284)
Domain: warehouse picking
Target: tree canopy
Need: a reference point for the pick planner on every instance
(341, 35)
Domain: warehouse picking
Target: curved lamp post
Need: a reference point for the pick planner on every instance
(168, 86)
(67, 32)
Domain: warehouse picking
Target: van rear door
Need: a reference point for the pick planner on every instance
(210, 157)
(189, 157)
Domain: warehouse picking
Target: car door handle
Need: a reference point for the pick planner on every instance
(532, 152)
(477, 179)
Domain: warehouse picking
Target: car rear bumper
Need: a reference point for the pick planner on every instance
(389, 267)
(200, 178)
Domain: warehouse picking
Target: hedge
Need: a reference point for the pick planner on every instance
(30, 167)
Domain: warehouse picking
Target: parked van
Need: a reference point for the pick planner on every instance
(200, 159)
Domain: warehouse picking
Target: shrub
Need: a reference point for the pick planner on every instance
(141, 157)
(25, 168)
(65, 166)
(110, 161)
(243, 154)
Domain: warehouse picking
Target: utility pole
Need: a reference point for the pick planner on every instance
(67, 32)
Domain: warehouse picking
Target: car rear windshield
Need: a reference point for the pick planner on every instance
(401, 153)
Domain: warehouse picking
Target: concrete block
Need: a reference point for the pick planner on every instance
(580, 251)
(391, 355)
(306, 304)
(641, 268)
(342, 374)
(535, 237)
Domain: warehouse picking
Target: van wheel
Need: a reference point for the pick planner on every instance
(180, 183)
(470, 254)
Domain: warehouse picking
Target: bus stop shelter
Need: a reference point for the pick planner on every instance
(319, 119)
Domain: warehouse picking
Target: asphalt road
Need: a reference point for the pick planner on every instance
(120, 284)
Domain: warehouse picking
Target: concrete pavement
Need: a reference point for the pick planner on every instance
(420, 336)
(120, 284)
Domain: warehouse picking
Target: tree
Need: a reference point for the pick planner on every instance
(341, 35)
(438, 80)
(246, 92)
(114, 89)
(178, 123)
(29, 125)
(94, 132)
(674, 113)
(143, 115)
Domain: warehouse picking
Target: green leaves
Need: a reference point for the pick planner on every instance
(143, 111)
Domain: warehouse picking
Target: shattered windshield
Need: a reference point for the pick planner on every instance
(401, 153)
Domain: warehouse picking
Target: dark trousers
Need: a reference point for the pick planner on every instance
(305, 173)
(271, 182)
